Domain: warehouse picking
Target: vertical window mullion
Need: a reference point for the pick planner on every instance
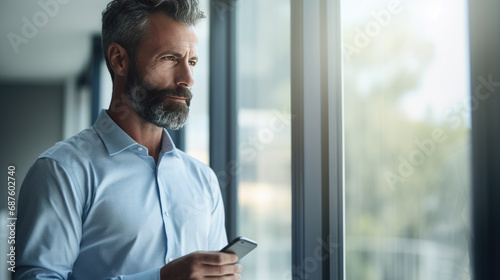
(317, 161)
(335, 137)
(306, 141)
(223, 157)
(297, 81)
(485, 77)
(95, 69)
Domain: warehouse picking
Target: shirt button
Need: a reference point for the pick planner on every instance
(140, 148)
(170, 259)
(166, 213)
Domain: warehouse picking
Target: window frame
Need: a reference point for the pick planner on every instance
(485, 61)
(317, 140)
(223, 106)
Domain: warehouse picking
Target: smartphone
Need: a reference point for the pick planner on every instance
(240, 246)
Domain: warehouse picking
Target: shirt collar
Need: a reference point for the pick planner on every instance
(167, 145)
(116, 140)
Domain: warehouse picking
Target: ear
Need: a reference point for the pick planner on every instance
(118, 59)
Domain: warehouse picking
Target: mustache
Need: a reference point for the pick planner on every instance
(159, 95)
(174, 92)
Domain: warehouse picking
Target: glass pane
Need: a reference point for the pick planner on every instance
(263, 92)
(197, 126)
(407, 139)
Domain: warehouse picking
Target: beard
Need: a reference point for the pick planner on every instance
(150, 104)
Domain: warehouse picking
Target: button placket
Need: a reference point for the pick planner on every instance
(166, 214)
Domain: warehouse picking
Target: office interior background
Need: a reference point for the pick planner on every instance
(351, 139)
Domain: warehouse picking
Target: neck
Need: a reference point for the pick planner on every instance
(144, 133)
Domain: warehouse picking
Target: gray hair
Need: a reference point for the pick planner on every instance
(125, 22)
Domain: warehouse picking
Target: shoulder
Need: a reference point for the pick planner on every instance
(201, 169)
(66, 166)
(194, 163)
(75, 149)
(76, 157)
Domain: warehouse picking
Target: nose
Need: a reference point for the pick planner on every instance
(184, 75)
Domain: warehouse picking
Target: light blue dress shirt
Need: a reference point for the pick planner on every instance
(97, 206)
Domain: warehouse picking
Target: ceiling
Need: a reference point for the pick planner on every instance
(47, 40)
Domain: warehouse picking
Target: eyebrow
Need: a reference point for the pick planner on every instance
(176, 54)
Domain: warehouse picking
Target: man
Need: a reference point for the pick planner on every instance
(118, 200)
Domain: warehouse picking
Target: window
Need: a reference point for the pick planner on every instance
(407, 139)
(381, 136)
(264, 140)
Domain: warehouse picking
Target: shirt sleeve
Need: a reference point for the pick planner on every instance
(49, 225)
(153, 274)
(37, 273)
(48, 222)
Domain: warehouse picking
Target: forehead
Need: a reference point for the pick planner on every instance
(165, 34)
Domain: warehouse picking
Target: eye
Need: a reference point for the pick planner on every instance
(170, 57)
(193, 62)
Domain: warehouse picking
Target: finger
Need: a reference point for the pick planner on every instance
(221, 270)
(226, 277)
(218, 258)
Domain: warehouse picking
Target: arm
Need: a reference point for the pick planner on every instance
(49, 224)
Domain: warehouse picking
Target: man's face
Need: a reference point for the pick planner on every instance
(159, 78)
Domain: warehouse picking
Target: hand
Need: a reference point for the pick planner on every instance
(202, 265)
